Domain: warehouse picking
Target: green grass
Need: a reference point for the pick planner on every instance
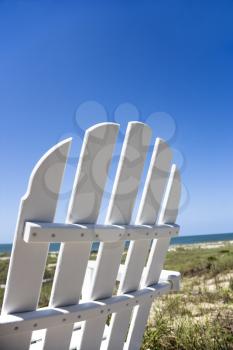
(199, 261)
(45, 293)
(187, 335)
(4, 264)
(200, 316)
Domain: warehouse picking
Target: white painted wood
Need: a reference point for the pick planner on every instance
(67, 317)
(168, 215)
(149, 208)
(53, 318)
(173, 277)
(156, 258)
(27, 262)
(121, 205)
(56, 233)
(137, 326)
(84, 207)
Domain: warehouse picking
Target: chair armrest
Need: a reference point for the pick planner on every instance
(173, 277)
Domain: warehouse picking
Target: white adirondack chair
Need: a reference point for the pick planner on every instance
(82, 295)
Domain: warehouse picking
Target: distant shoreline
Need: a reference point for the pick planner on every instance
(207, 240)
(202, 245)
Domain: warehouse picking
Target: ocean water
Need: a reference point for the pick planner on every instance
(174, 241)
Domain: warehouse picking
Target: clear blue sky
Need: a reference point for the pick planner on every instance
(173, 57)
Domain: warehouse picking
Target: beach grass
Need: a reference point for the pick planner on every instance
(199, 316)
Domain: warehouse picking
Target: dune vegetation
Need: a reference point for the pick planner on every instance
(200, 316)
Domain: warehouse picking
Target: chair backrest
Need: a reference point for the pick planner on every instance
(83, 291)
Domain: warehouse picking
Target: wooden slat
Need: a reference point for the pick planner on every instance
(52, 318)
(149, 208)
(28, 261)
(124, 192)
(56, 233)
(84, 207)
(156, 259)
(168, 215)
